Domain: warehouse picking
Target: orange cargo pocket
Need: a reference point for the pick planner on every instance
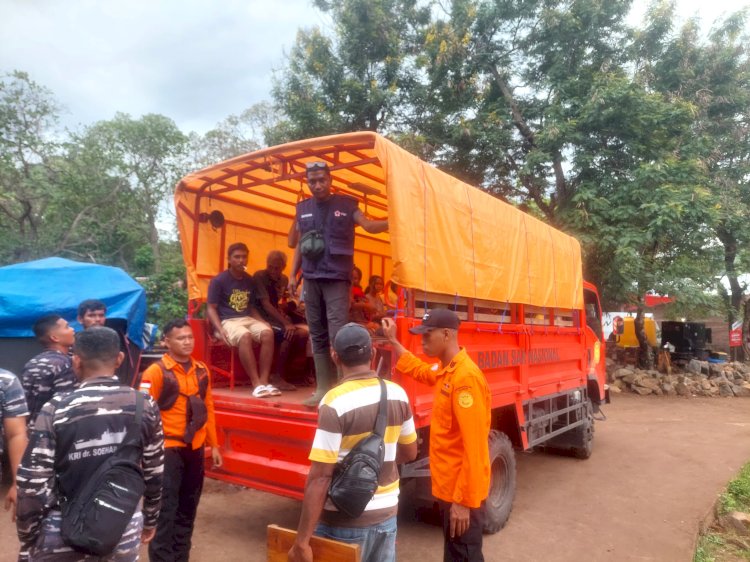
(443, 412)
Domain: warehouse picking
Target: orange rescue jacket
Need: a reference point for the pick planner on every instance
(459, 427)
(174, 418)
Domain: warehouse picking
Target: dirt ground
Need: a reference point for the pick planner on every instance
(658, 465)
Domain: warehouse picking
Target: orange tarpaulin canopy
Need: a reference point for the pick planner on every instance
(445, 236)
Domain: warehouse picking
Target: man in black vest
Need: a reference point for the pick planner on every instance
(325, 251)
(181, 387)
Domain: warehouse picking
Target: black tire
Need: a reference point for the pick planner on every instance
(499, 503)
(584, 435)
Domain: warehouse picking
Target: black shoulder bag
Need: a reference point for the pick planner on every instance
(96, 518)
(312, 244)
(355, 478)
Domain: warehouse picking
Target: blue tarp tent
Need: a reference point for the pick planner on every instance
(56, 285)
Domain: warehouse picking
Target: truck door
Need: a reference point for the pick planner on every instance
(593, 313)
(595, 344)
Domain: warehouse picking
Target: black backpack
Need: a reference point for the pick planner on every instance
(94, 520)
(355, 478)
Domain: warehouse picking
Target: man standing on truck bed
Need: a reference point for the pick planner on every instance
(182, 389)
(347, 415)
(230, 310)
(459, 429)
(325, 231)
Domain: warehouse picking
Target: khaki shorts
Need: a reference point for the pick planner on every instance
(238, 327)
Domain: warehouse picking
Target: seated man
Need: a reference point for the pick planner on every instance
(271, 283)
(238, 324)
(51, 372)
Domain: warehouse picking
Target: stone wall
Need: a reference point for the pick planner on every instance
(698, 378)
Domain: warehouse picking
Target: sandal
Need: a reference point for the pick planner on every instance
(272, 390)
(261, 391)
(280, 384)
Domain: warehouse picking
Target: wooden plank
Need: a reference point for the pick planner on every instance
(280, 540)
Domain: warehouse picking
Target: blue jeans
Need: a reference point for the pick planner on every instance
(377, 543)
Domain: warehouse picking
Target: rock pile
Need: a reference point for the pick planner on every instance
(700, 378)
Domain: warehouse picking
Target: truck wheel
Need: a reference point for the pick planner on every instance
(502, 482)
(584, 435)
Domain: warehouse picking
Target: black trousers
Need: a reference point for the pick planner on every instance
(326, 310)
(467, 547)
(181, 492)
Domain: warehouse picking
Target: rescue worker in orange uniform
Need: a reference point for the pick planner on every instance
(459, 429)
(181, 387)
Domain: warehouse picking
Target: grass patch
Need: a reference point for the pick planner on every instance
(737, 496)
(718, 545)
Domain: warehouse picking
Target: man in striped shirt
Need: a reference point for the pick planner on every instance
(347, 414)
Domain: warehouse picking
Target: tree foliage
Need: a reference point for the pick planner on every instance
(147, 155)
(28, 115)
(358, 79)
(233, 136)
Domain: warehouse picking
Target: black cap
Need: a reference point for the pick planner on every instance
(353, 344)
(437, 318)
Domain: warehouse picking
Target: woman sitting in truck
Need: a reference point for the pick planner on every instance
(374, 294)
(360, 309)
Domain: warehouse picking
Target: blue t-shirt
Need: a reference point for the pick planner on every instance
(233, 297)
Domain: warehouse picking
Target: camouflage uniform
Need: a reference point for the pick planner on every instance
(46, 375)
(12, 401)
(74, 434)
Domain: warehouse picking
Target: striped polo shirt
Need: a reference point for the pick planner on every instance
(347, 414)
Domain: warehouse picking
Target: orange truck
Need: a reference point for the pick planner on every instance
(529, 320)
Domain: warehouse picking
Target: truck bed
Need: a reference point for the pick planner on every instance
(265, 441)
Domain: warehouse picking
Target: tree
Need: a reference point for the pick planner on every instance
(28, 116)
(234, 136)
(149, 153)
(90, 213)
(538, 102)
(505, 83)
(166, 292)
(61, 194)
(713, 75)
(354, 81)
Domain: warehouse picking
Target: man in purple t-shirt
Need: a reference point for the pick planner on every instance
(238, 323)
